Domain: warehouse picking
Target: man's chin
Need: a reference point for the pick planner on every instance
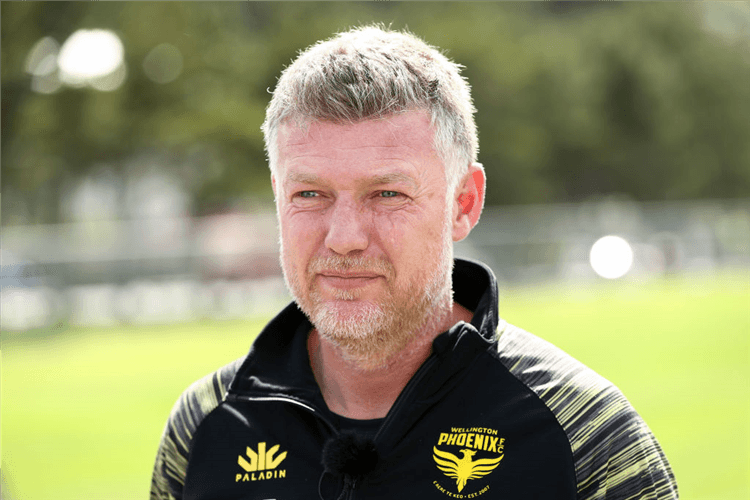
(350, 308)
(347, 319)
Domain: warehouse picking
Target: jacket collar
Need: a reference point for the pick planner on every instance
(278, 363)
(475, 288)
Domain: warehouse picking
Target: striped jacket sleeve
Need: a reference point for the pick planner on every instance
(191, 408)
(615, 454)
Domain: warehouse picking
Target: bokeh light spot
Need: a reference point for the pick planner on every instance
(42, 58)
(90, 55)
(611, 257)
(41, 64)
(163, 64)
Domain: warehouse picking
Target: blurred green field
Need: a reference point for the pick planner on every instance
(83, 409)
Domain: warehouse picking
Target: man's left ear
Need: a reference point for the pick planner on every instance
(468, 201)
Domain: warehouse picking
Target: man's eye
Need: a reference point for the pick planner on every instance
(389, 194)
(307, 194)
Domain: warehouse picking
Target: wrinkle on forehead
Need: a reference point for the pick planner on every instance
(292, 142)
(289, 157)
(387, 178)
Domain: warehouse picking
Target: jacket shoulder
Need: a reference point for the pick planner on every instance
(616, 455)
(191, 408)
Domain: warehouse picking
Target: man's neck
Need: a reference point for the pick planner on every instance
(364, 394)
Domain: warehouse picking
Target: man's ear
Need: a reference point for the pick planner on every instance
(468, 201)
(273, 186)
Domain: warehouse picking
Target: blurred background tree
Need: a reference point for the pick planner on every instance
(575, 100)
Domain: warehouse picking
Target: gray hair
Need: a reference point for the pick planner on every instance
(372, 72)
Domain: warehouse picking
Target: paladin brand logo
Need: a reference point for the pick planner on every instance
(262, 465)
(471, 454)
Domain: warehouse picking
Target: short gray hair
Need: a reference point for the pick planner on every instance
(372, 72)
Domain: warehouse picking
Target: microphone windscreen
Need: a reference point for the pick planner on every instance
(349, 454)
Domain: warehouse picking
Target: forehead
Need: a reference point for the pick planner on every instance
(404, 137)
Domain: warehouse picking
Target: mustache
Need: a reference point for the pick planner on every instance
(342, 263)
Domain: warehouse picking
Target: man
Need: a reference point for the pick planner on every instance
(391, 375)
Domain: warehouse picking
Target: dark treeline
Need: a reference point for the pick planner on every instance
(576, 101)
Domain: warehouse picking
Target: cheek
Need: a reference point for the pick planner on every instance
(411, 236)
(300, 235)
(394, 230)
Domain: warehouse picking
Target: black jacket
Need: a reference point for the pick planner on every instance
(494, 412)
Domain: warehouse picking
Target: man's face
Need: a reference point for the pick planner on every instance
(366, 245)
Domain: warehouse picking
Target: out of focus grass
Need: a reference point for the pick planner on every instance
(83, 409)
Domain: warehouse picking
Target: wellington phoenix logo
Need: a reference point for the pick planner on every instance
(262, 464)
(471, 454)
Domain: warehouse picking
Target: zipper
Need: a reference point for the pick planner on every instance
(395, 410)
(406, 394)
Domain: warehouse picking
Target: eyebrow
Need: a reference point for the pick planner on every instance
(303, 178)
(389, 178)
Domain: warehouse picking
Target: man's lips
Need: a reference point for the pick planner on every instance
(347, 280)
(347, 274)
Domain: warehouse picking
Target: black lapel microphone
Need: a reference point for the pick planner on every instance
(348, 458)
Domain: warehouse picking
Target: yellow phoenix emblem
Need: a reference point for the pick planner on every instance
(463, 469)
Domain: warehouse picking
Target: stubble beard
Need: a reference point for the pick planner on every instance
(371, 334)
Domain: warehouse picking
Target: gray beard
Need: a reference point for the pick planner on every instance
(375, 334)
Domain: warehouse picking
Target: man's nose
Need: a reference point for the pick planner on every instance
(347, 228)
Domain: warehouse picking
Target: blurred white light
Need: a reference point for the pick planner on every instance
(611, 257)
(89, 55)
(45, 84)
(163, 64)
(42, 58)
(41, 64)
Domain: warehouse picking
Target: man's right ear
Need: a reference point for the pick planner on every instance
(469, 201)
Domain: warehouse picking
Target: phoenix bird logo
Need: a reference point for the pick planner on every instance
(463, 469)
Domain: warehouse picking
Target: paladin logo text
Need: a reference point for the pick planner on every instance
(262, 465)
